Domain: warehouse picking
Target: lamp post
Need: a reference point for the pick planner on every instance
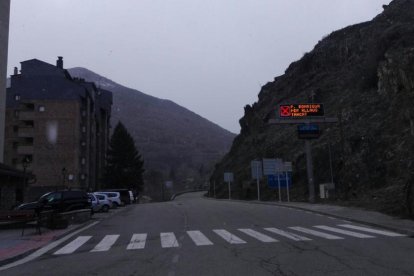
(63, 177)
(25, 164)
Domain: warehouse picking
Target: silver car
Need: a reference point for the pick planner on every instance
(95, 204)
(104, 202)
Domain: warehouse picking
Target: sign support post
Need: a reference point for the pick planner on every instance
(309, 166)
(258, 183)
(307, 113)
(229, 184)
(278, 184)
(287, 186)
(214, 188)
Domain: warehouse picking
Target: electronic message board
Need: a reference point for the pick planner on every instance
(304, 110)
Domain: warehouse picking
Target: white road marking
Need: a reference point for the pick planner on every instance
(168, 240)
(228, 237)
(287, 234)
(137, 241)
(370, 230)
(199, 238)
(258, 235)
(73, 245)
(106, 243)
(46, 248)
(345, 232)
(316, 233)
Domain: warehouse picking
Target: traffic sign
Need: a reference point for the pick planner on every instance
(272, 180)
(257, 172)
(302, 110)
(308, 131)
(271, 166)
(228, 177)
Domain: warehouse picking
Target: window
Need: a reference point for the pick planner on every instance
(17, 97)
(16, 113)
(83, 160)
(42, 108)
(83, 128)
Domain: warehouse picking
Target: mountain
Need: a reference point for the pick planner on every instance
(364, 76)
(176, 143)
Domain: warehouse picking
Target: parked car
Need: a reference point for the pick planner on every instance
(95, 203)
(104, 202)
(131, 196)
(124, 193)
(61, 201)
(115, 197)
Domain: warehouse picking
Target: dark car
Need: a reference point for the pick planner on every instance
(61, 201)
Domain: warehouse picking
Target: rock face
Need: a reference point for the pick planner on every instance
(364, 75)
(176, 144)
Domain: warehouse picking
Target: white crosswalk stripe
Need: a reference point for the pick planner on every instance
(228, 237)
(198, 238)
(257, 235)
(106, 243)
(168, 240)
(345, 232)
(73, 245)
(371, 230)
(137, 242)
(316, 233)
(287, 234)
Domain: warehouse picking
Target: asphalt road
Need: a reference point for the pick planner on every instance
(197, 236)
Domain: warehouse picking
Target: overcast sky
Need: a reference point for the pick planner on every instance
(210, 56)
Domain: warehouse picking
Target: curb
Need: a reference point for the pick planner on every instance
(78, 226)
(409, 233)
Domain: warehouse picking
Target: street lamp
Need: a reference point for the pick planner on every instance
(63, 177)
(25, 164)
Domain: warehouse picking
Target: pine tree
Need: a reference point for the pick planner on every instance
(124, 167)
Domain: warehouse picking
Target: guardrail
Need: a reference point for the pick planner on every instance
(185, 192)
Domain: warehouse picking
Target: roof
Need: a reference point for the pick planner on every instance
(42, 88)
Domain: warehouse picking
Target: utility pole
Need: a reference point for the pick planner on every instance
(309, 167)
(4, 42)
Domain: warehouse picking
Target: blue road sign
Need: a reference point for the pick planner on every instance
(272, 180)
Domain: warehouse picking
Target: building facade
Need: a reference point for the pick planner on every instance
(58, 125)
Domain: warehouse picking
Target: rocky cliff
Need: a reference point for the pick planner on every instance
(364, 75)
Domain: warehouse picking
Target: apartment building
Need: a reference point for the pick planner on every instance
(57, 127)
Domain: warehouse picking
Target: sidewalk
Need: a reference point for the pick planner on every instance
(373, 218)
(352, 214)
(13, 245)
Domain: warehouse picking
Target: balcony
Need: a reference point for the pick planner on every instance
(26, 115)
(26, 149)
(25, 132)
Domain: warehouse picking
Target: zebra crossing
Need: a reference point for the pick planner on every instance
(235, 237)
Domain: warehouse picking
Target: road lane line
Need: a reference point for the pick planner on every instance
(46, 248)
(105, 243)
(228, 237)
(137, 241)
(73, 245)
(371, 230)
(257, 235)
(287, 234)
(345, 232)
(168, 240)
(198, 238)
(316, 233)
